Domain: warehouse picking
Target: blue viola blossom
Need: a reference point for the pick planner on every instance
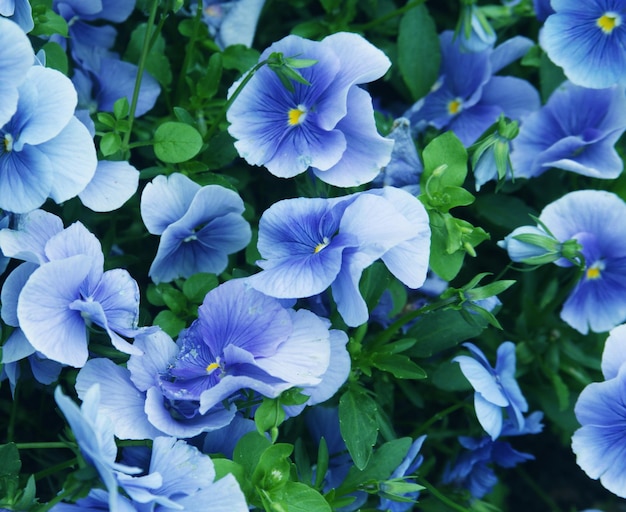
(467, 98)
(113, 183)
(587, 40)
(199, 226)
(44, 151)
(230, 21)
(242, 342)
(600, 443)
(63, 290)
(575, 131)
(496, 389)
(309, 245)
(588, 224)
(94, 434)
(18, 11)
(327, 126)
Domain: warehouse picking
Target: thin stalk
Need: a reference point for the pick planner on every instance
(141, 66)
(188, 52)
(41, 446)
(437, 417)
(56, 468)
(388, 16)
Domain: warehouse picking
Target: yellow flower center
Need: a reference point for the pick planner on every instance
(608, 21)
(321, 245)
(296, 115)
(454, 107)
(8, 142)
(212, 366)
(595, 270)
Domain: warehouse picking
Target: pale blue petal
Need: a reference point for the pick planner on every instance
(165, 200)
(47, 102)
(25, 179)
(509, 51)
(72, 160)
(16, 58)
(16, 347)
(614, 353)
(159, 352)
(489, 415)
(304, 357)
(483, 380)
(28, 240)
(44, 314)
(11, 289)
(121, 401)
(239, 25)
(225, 495)
(366, 151)
(345, 288)
(112, 185)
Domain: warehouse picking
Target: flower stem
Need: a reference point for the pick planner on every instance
(140, 69)
(439, 416)
(188, 52)
(56, 468)
(41, 446)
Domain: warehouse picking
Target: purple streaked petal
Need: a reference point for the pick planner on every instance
(25, 179)
(515, 97)
(159, 352)
(165, 200)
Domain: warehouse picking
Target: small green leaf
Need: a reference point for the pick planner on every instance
(110, 143)
(273, 470)
(400, 366)
(299, 497)
(445, 160)
(176, 142)
(56, 57)
(169, 322)
(269, 415)
(358, 425)
(198, 285)
(121, 108)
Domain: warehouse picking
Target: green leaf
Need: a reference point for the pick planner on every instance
(441, 330)
(274, 467)
(110, 143)
(176, 142)
(299, 497)
(49, 23)
(10, 464)
(208, 84)
(269, 415)
(121, 108)
(175, 300)
(221, 151)
(249, 449)
(56, 58)
(239, 57)
(562, 393)
(445, 159)
(169, 322)
(358, 425)
(400, 366)
(444, 264)
(323, 459)
(418, 51)
(198, 285)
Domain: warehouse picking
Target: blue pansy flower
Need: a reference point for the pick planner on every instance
(64, 289)
(199, 226)
(593, 219)
(496, 388)
(309, 245)
(16, 59)
(327, 126)
(242, 340)
(44, 151)
(467, 98)
(18, 11)
(587, 40)
(94, 434)
(600, 443)
(575, 131)
(230, 21)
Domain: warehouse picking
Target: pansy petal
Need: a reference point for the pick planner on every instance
(614, 353)
(482, 380)
(28, 240)
(16, 59)
(489, 415)
(112, 185)
(11, 289)
(25, 179)
(44, 314)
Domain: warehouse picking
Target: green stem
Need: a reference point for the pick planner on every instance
(437, 417)
(11, 426)
(141, 66)
(230, 101)
(383, 19)
(41, 446)
(56, 468)
(440, 496)
(188, 52)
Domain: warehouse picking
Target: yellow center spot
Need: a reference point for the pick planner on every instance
(454, 107)
(321, 245)
(595, 270)
(8, 142)
(296, 115)
(608, 21)
(211, 367)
